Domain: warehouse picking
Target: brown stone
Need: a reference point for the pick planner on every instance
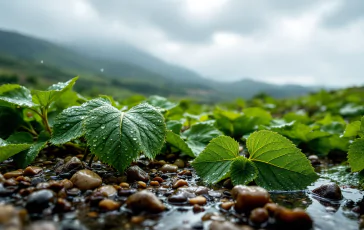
(13, 174)
(86, 179)
(32, 170)
(200, 200)
(109, 205)
(144, 201)
(249, 197)
(179, 183)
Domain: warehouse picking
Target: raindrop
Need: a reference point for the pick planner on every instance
(102, 127)
(102, 70)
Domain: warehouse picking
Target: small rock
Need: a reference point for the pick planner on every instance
(70, 167)
(154, 183)
(180, 163)
(142, 184)
(109, 205)
(42, 225)
(271, 208)
(13, 174)
(127, 192)
(292, 219)
(86, 179)
(169, 168)
(144, 201)
(227, 205)
(135, 173)
(179, 183)
(40, 200)
(197, 208)
(200, 200)
(32, 170)
(107, 190)
(259, 216)
(178, 198)
(137, 219)
(124, 185)
(212, 216)
(63, 205)
(67, 184)
(249, 197)
(7, 212)
(314, 160)
(329, 191)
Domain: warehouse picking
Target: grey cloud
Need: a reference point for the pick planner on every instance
(349, 11)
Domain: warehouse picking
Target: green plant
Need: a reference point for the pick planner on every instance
(274, 162)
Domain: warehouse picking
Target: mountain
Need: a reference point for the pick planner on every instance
(120, 70)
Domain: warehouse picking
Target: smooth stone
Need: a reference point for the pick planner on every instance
(70, 166)
(179, 163)
(169, 168)
(200, 200)
(292, 219)
(86, 179)
(179, 183)
(42, 225)
(259, 216)
(135, 173)
(329, 191)
(227, 205)
(178, 198)
(249, 197)
(40, 200)
(32, 170)
(13, 174)
(6, 213)
(107, 190)
(144, 201)
(109, 205)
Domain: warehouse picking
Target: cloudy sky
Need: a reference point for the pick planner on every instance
(310, 42)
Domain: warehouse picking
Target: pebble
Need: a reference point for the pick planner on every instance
(7, 213)
(177, 198)
(40, 200)
(169, 168)
(86, 179)
(67, 184)
(180, 163)
(259, 216)
(135, 173)
(197, 208)
(107, 190)
(200, 200)
(314, 160)
(42, 225)
(292, 219)
(32, 170)
(154, 183)
(329, 191)
(137, 219)
(144, 201)
(63, 205)
(249, 197)
(142, 185)
(126, 192)
(179, 183)
(13, 174)
(124, 185)
(271, 208)
(2, 179)
(227, 205)
(70, 166)
(109, 205)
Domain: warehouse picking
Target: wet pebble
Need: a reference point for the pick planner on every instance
(142, 184)
(42, 225)
(107, 190)
(259, 216)
(179, 163)
(135, 173)
(109, 205)
(249, 197)
(314, 160)
(13, 174)
(329, 191)
(154, 183)
(179, 183)
(32, 170)
(227, 205)
(200, 200)
(40, 200)
(177, 198)
(86, 179)
(124, 185)
(70, 166)
(144, 201)
(126, 192)
(292, 219)
(169, 168)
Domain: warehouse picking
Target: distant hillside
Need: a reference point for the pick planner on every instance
(121, 70)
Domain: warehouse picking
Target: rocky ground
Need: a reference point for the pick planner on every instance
(65, 193)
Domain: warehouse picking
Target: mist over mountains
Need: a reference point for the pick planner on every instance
(124, 67)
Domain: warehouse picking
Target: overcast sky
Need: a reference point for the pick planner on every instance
(310, 42)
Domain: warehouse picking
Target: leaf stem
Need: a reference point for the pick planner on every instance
(91, 160)
(45, 120)
(30, 130)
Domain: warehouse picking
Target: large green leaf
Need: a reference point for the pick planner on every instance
(199, 135)
(356, 155)
(352, 129)
(176, 141)
(213, 164)
(174, 126)
(280, 164)
(8, 150)
(118, 138)
(68, 124)
(11, 94)
(243, 171)
(45, 98)
(161, 103)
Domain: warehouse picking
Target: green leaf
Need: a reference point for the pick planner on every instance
(199, 135)
(213, 164)
(8, 150)
(20, 138)
(17, 95)
(176, 141)
(68, 124)
(243, 171)
(174, 126)
(118, 138)
(281, 165)
(356, 155)
(352, 129)
(45, 98)
(161, 103)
